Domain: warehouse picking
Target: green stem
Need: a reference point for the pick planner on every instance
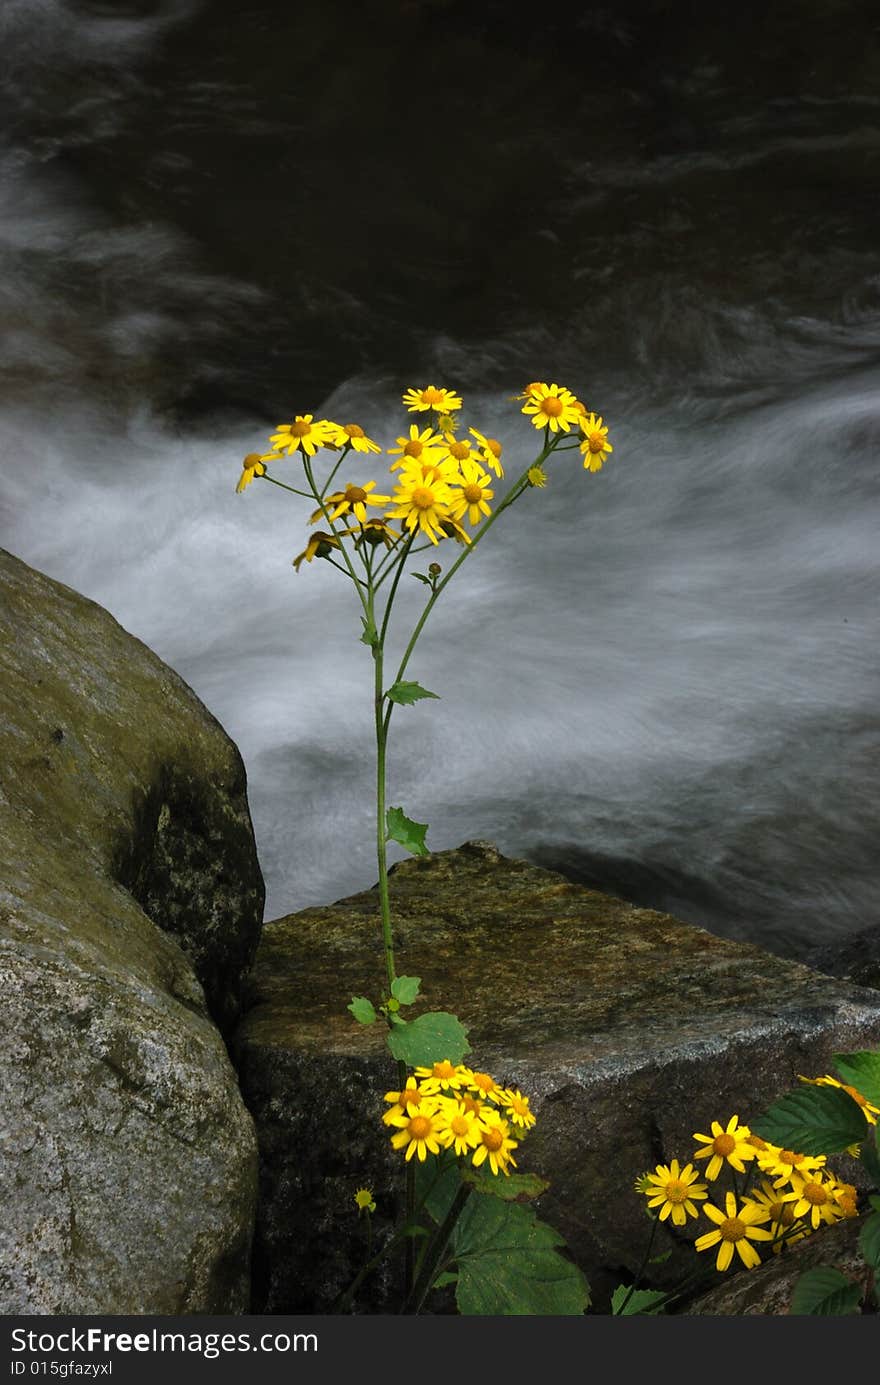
(642, 1267)
(358, 584)
(284, 486)
(435, 1251)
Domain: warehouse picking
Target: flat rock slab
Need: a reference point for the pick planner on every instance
(629, 1029)
(129, 892)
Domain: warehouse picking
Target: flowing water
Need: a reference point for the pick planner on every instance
(663, 678)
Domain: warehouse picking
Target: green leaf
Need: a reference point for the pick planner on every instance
(639, 1301)
(413, 1230)
(407, 833)
(443, 1279)
(874, 1201)
(514, 1187)
(812, 1120)
(429, 1039)
(509, 1264)
(405, 989)
(869, 1240)
(826, 1292)
(870, 1154)
(407, 693)
(862, 1071)
(420, 577)
(371, 634)
(660, 1259)
(362, 1010)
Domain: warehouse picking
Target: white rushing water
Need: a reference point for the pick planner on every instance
(665, 674)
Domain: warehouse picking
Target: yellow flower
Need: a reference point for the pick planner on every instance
(869, 1110)
(673, 1189)
(354, 500)
(418, 1131)
(376, 531)
(782, 1164)
(453, 530)
(443, 401)
(352, 435)
(459, 1128)
(848, 1199)
(595, 445)
(491, 450)
(536, 476)
(458, 449)
(474, 494)
(424, 446)
(643, 1184)
(817, 1198)
(730, 1145)
(778, 1206)
(532, 391)
(484, 1085)
(318, 546)
(253, 466)
(441, 1077)
(409, 1096)
(303, 433)
(551, 406)
(364, 1199)
(517, 1109)
(422, 504)
(735, 1230)
(495, 1145)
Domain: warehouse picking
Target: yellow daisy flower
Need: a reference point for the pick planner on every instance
(642, 1184)
(484, 1085)
(782, 1164)
(474, 494)
(532, 391)
(453, 530)
(459, 1128)
(441, 1077)
(443, 401)
(517, 1109)
(318, 546)
(353, 435)
(420, 446)
(735, 1229)
(869, 1110)
(253, 465)
(848, 1198)
(459, 449)
(673, 1190)
(422, 504)
(409, 1096)
(353, 500)
(303, 433)
(495, 1145)
(491, 451)
(595, 445)
(778, 1205)
(551, 406)
(376, 531)
(364, 1199)
(817, 1198)
(418, 1132)
(536, 476)
(725, 1145)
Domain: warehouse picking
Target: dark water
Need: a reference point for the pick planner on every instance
(662, 678)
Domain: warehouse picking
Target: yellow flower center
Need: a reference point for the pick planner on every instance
(443, 1069)
(788, 1156)
(354, 494)
(856, 1096)
(676, 1191)
(732, 1229)
(459, 1125)
(724, 1144)
(493, 1139)
(595, 442)
(300, 430)
(494, 446)
(815, 1194)
(251, 460)
(756, 1142)
(470, 1103)
(552, 406)
(354, 430)
(430, 395)
(413, 448)
(472, 493)
(483, 1081)
(520, 1105)
(419, 1127)
(459, 450)
(423, 499)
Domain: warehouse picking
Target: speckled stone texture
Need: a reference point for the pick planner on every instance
(129, 888)
(630, 1029)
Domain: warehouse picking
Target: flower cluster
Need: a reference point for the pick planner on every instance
(450, 1106)
(443, 475)
(782, 1195)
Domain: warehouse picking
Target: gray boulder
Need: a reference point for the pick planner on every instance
(130, 891)
(629, 1029)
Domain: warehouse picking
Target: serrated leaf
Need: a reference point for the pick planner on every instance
(812, 1120)
(405, 989)
(862, 1071)
(514, 1187)
(429, 1039)
(407, 693)
(362, 1010)
(626, 1304)
(509, 1264)
(370, 635)
(869, 1241)
(405, 832)
(447, 1277)
(826, 1292)
(870, 1155)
